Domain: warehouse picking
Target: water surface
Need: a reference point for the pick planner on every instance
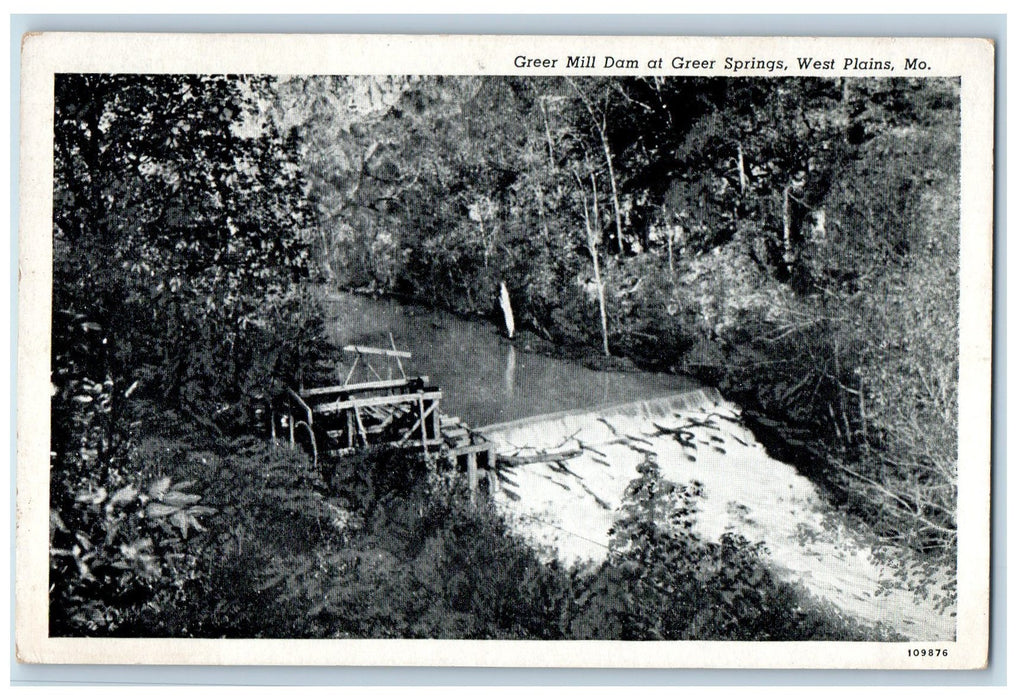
(484, 377)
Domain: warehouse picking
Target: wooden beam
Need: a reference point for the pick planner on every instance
(373, 371)
(470, 449)
(300, 402)
(365, 350)
(471, 475)
(539, 457)
(360, 424)
(419, 424)
(378, 401)
(431, 442)
(423, 423)
(362, 386)
(398, 361)
(353, 367)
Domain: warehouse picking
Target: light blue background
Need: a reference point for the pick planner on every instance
(987, 26)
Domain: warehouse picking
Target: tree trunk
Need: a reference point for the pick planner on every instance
(788, 256)
(614, 190)
(592, 244)
(547, 131)
(601, 126)
(743, 180)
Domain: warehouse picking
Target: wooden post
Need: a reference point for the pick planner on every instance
(436, 420)
(398, 361)
(360, 425)
(423, 424)
(471, 475)
(492, 472)
(349, 428)
(289, 419)
(492, 483)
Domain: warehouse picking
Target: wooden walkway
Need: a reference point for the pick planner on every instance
(403, 412)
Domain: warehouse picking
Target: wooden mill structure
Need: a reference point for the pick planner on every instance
(401, 411)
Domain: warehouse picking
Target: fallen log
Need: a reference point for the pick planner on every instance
(539, 457)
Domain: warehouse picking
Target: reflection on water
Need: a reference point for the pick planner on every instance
(485, 378)
(510, 372)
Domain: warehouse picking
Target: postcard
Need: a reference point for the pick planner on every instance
(577, 351)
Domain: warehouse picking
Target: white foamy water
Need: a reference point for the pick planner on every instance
(744, 490)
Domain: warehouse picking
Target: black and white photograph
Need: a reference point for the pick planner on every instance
(578, 346)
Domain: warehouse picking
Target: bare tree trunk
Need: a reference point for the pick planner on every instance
(670, 251)
(547, 131)
(601, 126)
(326, 253)
(614, 189)
(743, 180)
(506, 309)
(591, 241)
(788, 258)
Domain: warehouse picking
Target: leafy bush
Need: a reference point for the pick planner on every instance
(664, 581)
(115, 556)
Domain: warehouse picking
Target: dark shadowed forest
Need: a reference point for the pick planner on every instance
(792, 242)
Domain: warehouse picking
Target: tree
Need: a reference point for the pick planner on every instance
(178, 240)
(178, 213)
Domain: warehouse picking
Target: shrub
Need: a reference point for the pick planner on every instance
(115, 555)
(664, 581)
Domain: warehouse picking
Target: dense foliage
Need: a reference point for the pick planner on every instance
(411, 558)
(178, 243)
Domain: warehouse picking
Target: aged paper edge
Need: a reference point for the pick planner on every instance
(44, 55)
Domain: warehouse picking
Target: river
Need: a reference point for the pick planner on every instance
(485, 378)
(527, 401)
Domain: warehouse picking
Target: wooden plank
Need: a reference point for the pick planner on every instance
(537, 457)
(424, 440)
(470, 449)
(360, 424)
(423, 423)
(471, 475)
(361, 386)
(378, 401)
(398, 361)
(366, 350)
